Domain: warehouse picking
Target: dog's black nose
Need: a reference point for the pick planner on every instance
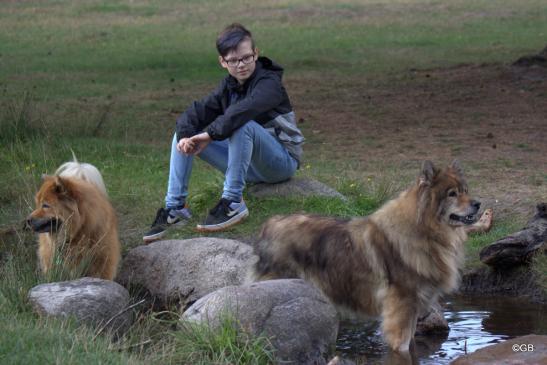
(28, 224)
(476, 204)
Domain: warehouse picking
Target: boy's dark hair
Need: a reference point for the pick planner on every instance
(231, 37)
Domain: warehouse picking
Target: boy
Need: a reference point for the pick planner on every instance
(245, 128)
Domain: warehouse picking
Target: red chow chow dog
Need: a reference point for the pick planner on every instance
(76, 224)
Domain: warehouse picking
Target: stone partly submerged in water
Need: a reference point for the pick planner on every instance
(531, 349)
(433, 322)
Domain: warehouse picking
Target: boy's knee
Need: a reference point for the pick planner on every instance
(249, 127)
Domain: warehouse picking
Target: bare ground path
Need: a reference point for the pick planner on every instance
(492, 117)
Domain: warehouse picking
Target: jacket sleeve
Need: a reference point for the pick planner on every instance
(200, 114)
(266, 94)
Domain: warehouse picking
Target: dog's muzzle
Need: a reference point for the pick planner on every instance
(470, 218)
(44, 225)
(467, 220)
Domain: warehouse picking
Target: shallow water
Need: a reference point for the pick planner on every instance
(474, 323)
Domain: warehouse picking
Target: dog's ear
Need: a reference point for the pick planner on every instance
(427, 174)
(457, 168)
(60, 186)
(425, 180)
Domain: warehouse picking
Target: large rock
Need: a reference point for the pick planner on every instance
(531, 349)
(182, 271)
(91, 301)
(296, 186)
(519, 247)
(300, 322)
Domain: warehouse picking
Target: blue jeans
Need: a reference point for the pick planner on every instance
(251, 154)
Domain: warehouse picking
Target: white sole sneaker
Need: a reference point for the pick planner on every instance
(224, 225)
(154, 237)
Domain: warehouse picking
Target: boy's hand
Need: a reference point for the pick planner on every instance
(186, 146)
(199, 142)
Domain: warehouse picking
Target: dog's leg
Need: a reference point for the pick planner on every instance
(91, 261)
(105, 267)
(101, 268)
(46, 251)
(399, 315)
(109, 256)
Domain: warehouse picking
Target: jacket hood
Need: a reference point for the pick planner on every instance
(268, 64)
(262, 63)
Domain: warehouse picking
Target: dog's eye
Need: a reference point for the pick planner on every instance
(452, 193)
(45, 205)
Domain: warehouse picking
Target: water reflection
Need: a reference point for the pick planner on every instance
(474, 323)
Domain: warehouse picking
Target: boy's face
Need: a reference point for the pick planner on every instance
(240, 63)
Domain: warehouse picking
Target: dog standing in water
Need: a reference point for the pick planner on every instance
(393, 263)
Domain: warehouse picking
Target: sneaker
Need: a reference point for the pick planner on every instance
(224, 215)
(166, 218)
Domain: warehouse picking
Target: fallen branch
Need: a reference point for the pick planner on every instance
(519, 247)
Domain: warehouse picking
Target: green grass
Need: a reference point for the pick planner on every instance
(139, 60)
(200, 344)
(106, 79)
(29, 340)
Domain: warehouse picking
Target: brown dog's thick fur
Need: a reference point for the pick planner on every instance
(393, 263)
(76, 224)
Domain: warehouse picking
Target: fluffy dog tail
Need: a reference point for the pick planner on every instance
(83, 171)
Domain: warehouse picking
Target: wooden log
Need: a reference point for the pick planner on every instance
(519, 247)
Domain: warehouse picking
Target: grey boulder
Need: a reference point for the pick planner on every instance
(296, 186)
(300, 322)
(182, 271)
(92, 301)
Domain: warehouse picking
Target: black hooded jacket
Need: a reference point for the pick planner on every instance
(261, 98)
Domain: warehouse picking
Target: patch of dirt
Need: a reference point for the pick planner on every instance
(491, 117)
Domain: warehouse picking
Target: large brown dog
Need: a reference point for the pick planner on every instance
(76, 223)
(394, 263)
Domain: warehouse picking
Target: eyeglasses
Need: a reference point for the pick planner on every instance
(234, 62)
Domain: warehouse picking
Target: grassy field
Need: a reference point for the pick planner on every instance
(107, 79)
